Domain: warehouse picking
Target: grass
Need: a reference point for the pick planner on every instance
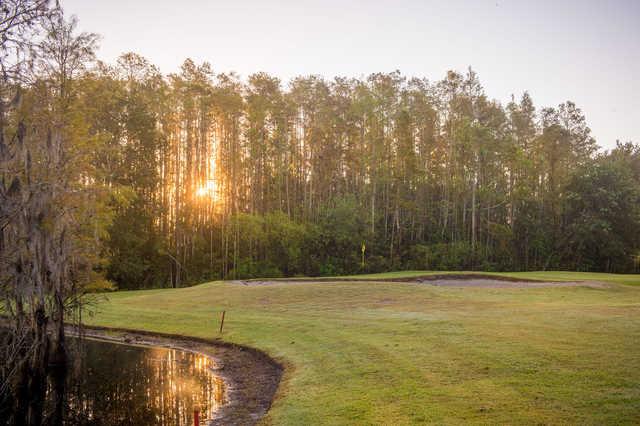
(399, 353)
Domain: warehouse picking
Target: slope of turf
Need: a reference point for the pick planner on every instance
(399, 353)
(633, 279)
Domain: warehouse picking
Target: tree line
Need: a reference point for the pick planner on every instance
(228, 178)
(213, 176)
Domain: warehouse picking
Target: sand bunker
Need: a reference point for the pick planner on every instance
(444, 280)
(493, 283)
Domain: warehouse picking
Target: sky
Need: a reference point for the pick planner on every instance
(580, 50)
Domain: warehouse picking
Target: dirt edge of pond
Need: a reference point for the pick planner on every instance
(251, 376)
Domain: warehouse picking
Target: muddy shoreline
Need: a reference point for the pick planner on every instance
(251, 377)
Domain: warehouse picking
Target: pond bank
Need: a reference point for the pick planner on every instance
(251, 377)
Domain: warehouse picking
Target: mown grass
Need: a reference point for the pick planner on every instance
(398, 353)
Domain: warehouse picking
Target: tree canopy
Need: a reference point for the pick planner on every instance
(236, 178)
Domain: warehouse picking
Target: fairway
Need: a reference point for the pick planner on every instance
(403, 353)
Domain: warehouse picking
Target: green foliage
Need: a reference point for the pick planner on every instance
(340, 232)
(135, 251)
(445, 257)
(284, 241)
(603, 216)
(100, 285)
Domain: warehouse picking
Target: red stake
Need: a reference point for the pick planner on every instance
(196, 417)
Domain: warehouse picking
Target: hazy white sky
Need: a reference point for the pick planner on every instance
(581, 50)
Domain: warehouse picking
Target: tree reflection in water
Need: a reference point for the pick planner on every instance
(111, 384)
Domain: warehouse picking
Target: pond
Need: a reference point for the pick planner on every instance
(109, 383)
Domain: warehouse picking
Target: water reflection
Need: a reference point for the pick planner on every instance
(114, 384)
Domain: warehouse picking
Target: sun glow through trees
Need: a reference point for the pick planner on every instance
(209, 189)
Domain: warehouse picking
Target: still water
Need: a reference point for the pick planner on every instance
(115, 384)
